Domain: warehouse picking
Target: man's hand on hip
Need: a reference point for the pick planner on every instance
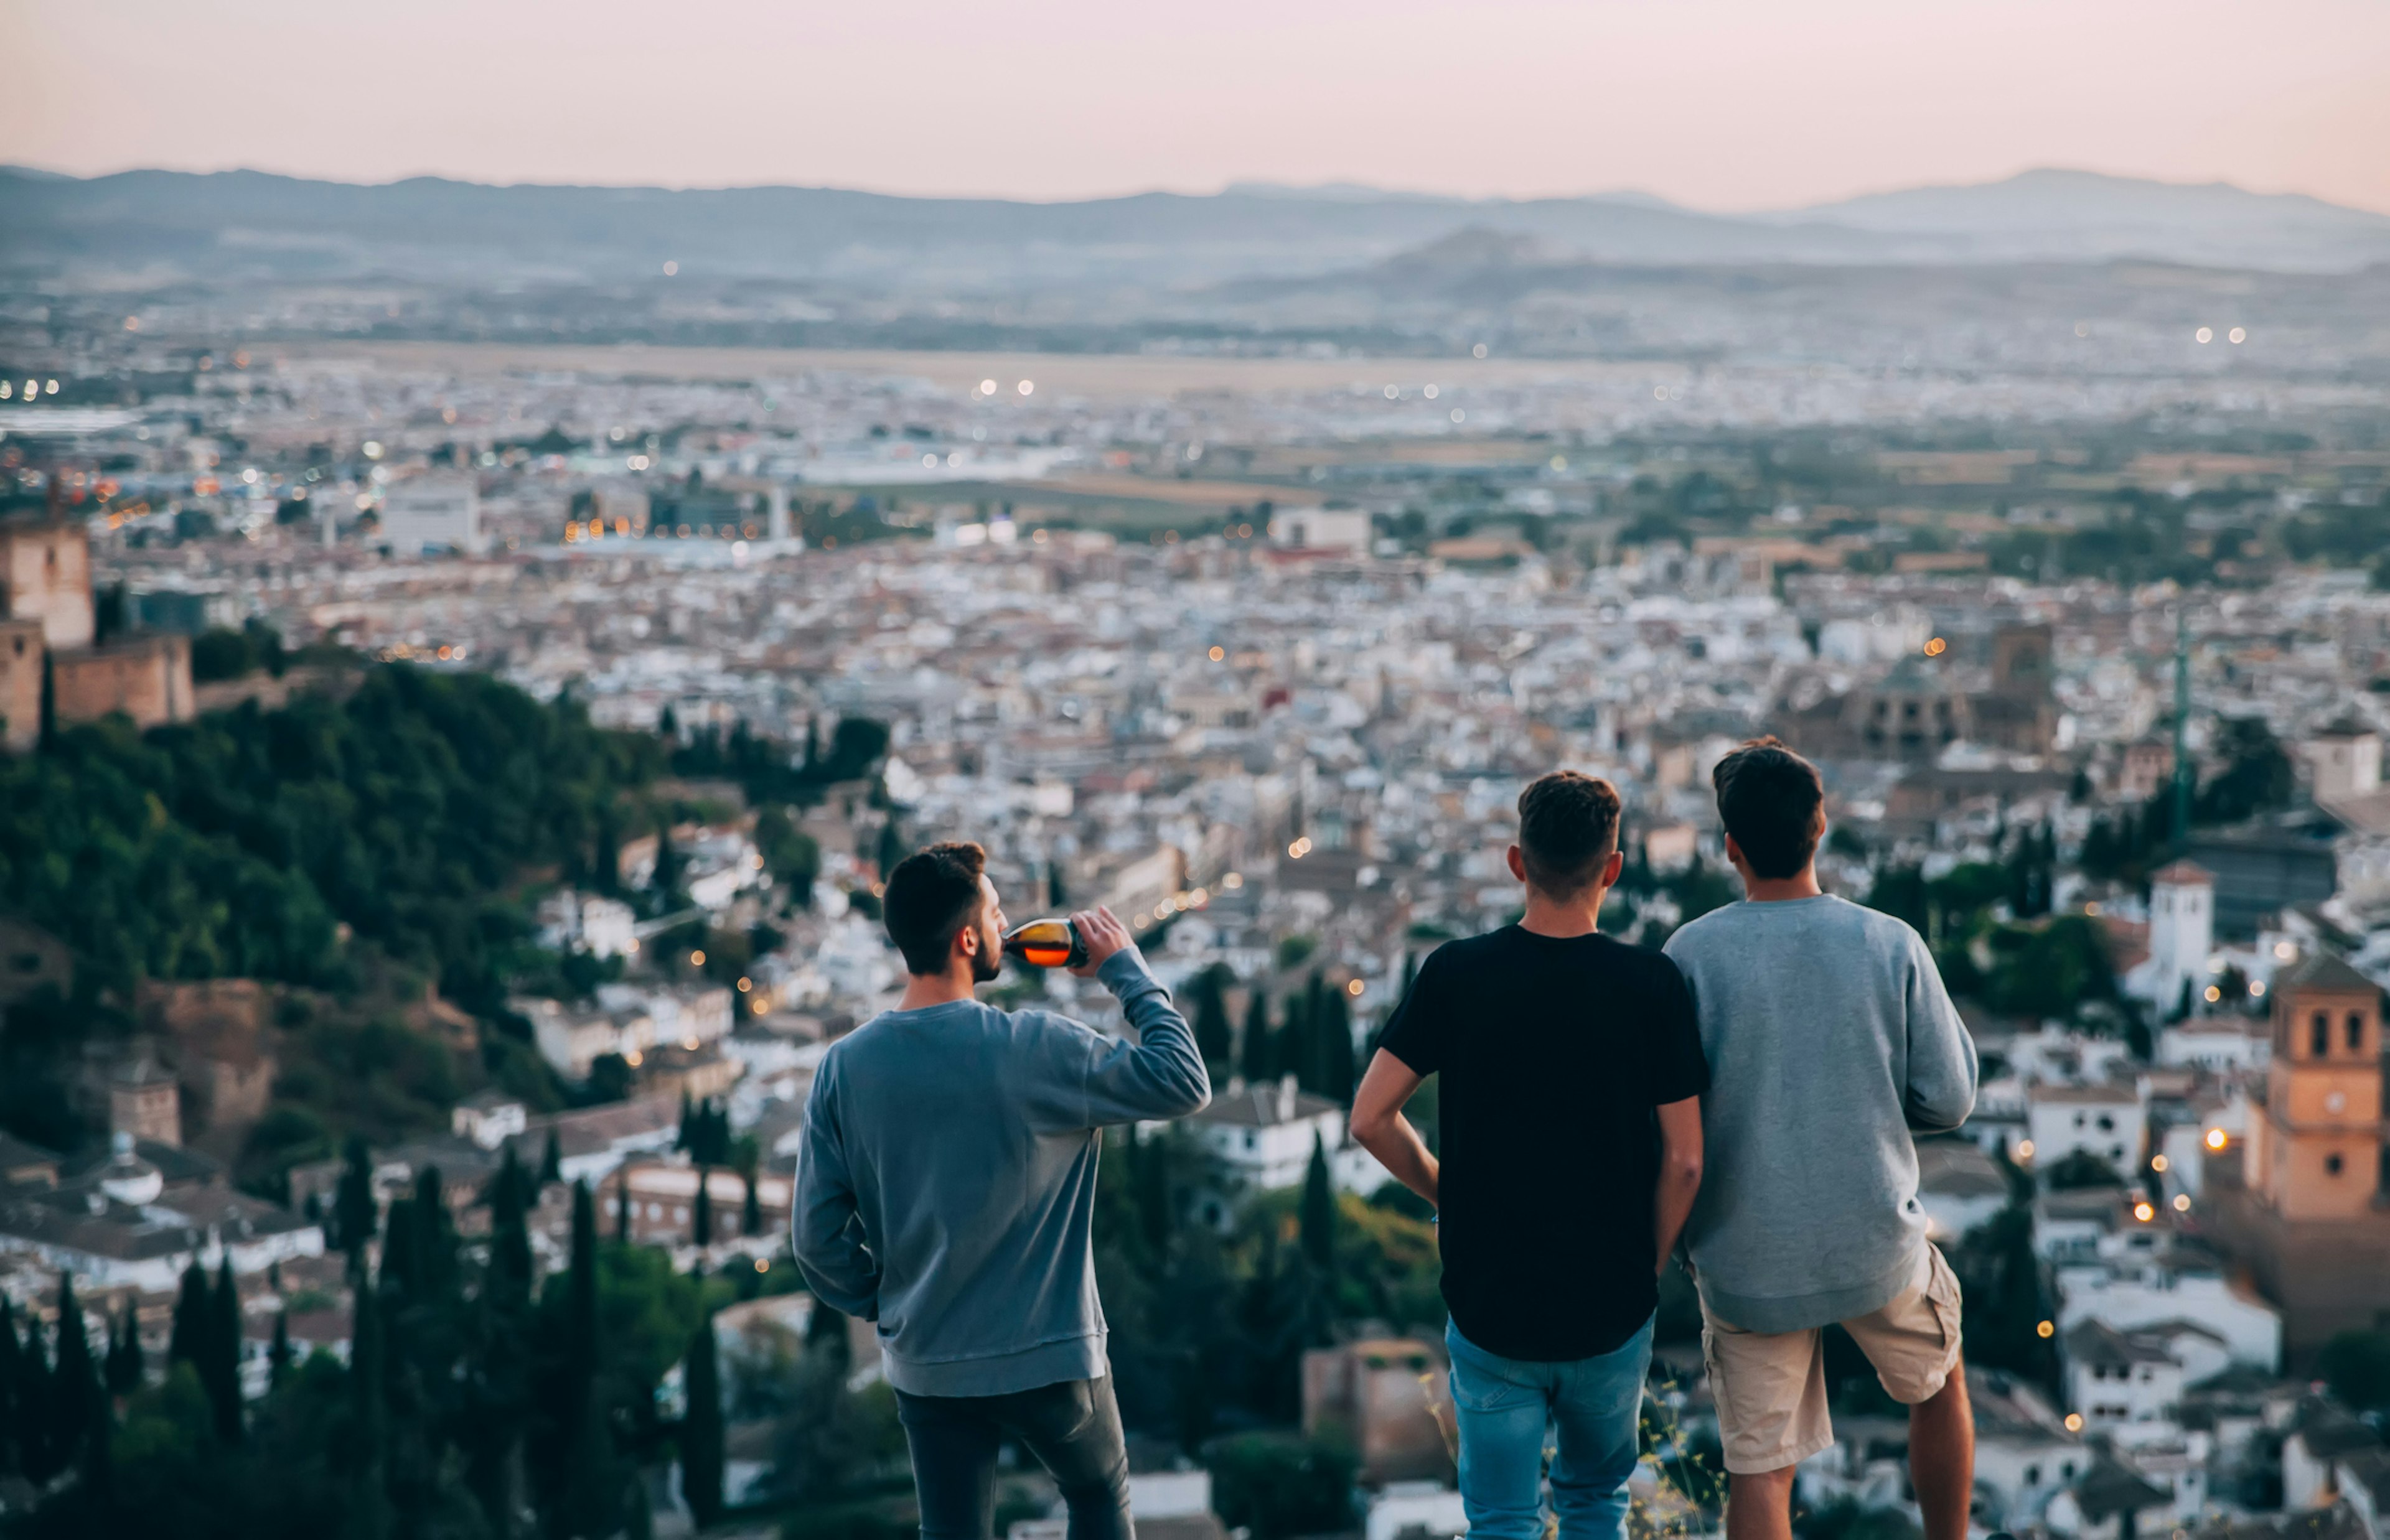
(1102, 933)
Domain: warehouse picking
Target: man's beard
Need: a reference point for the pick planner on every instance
(987, 963)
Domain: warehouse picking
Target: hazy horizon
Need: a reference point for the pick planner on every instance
(1732, 107)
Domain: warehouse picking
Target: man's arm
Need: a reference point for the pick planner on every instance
(1941, 1090)
(1680, 1172)
(827, 1230)
(1161, 1075)
(1380, 1127)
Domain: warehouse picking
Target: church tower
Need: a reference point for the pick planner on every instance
(2318, 1151)
(2182, 934)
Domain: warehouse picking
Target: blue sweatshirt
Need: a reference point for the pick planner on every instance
(948, 1179)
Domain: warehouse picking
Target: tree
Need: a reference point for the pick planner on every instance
(1318, 1213)
(700, 1211)
(1332, 1047)
(368, 1509)
(2356, 1365)
(1257, 1055)
(623, 1207)
(354, 1210)
(1212, 1028)
(551, 1161)
(221, 1373)
(12, 1374)
(508, 1276)
(125, 1358)
(279, 1357)
(750, 1208)
(702, 1431)
(74, 1379)
(187, 1342)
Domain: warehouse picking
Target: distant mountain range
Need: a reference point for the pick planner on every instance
(249, 222)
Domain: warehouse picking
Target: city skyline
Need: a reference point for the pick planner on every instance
(1732, 107)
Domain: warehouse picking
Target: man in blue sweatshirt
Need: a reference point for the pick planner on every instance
(1831, 1040)
(945, 1187)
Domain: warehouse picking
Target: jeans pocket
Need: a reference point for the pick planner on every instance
(1478, 1387)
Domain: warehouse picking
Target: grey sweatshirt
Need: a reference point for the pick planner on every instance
(1830, 1038)
(948, 1178)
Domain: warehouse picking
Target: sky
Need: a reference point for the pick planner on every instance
(1724, 105)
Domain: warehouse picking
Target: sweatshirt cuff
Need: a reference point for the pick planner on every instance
(1123, 970)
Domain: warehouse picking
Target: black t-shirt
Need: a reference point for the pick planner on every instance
(1554, 1053)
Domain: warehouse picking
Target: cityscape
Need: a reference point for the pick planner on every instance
(467, 672)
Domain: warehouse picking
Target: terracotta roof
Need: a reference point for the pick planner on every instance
(2325, 972)
(2183, 872)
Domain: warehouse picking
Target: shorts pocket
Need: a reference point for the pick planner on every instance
(1943, 1295)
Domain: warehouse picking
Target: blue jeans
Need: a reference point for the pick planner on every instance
(1504, 1407)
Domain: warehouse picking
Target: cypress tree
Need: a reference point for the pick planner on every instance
(701, 1430)
(436, 1240)
(510, 1264)
(353, 1206)
(1255, 1059)
(37, 1441)
(623, 1207)
(701, 1211)
(1150, 1174)
(1332, 1047)
(277, 1358)
(189, 1343)
(74, 1379)
(1319, 1211)
(369, 1504)
(124, 1365)
(1212, 1031)
(581, 1295)
(11, 1355)
(683, 1135)
(551, 1161)
(751, 1209)
(224, 1353)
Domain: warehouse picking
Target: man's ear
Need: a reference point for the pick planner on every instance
(1616, 864)
(1733, 851)
(1518, 859)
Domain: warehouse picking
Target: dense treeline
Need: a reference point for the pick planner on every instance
(477, 1401)
(238, 844)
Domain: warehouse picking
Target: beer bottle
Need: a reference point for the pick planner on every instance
(1047, 943)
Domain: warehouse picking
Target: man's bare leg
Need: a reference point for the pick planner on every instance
(1942, 1458)
(1760, 1507)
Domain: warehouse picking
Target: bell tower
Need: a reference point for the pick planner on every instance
(2319, 1150)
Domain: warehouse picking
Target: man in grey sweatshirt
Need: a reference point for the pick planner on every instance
(1830, 1040)
(945, 1187)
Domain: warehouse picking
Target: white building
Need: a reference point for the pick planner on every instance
(2220, 1045)
(1425, 1509)
(2115, 1378)
(1959, 1186)
(1260, 1137)
(573, 921)
(2182, 937)
(2104, 1121)
(1316, 529)
(435, 511)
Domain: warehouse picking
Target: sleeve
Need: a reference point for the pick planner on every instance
(1092, 1080)
(1678, 1067)
(827, 1236)
(1941, 1090)
(1419, 1030)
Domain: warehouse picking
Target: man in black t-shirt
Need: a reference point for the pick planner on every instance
(1570, 1114)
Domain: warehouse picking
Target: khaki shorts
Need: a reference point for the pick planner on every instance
(1771, 1389)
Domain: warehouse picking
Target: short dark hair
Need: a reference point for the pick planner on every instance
(932, 895)
(1772, 802)
(1568, 830)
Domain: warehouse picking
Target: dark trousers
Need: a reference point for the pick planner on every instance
(1073, 1428)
